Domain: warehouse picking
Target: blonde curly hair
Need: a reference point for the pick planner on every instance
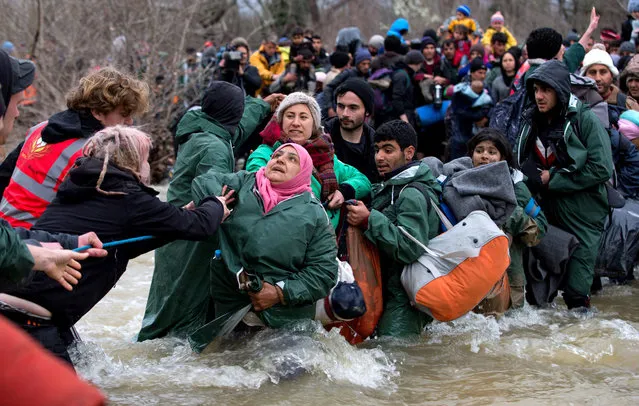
(125, 147)
(107, 89)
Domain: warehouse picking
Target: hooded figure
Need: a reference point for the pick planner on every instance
(206, 138)
(399, 28)
(566, 154)
(277, 232)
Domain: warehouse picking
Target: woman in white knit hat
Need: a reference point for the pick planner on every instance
(298, 120)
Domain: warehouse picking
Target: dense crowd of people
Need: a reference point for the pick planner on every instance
(287, 146)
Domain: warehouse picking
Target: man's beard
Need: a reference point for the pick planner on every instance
(351, 126)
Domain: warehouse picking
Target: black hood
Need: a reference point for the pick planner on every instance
(225, 103)
(70, 124)
(6, 79)
(554, 74)
(80, 183)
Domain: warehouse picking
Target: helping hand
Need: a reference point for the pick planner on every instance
(60, 265)
(335, 200)
(357, 214)
(226, 199)
(265, 298)
(92, 239)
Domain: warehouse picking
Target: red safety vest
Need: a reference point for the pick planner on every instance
(40, 170)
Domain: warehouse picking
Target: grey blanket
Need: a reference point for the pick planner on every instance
(487, 188)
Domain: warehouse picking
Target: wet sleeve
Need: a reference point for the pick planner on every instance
(411, 209)
(319, 274)
(255, 111)
(16, 261)
(598, 166)
(351, 176)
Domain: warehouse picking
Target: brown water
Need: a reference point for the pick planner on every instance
(528, 357)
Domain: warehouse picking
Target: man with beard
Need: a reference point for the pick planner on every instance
(352, 137)
(599, 67)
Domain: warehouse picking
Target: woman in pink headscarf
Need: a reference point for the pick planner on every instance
(278, 235)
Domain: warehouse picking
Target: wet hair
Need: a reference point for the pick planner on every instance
(499, 37)
(121, 146)
(107, 89)
(499, 141)
(397, 130)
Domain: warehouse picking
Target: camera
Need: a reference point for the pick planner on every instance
(232, 60)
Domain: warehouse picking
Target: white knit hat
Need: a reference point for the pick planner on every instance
(301, 98)
(599, 57)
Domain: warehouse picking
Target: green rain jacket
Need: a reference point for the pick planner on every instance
(394, 204)
(292, 246)
(352, 183)
(176, 303)
(16, 261)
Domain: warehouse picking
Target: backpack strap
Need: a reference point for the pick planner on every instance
(446, 223)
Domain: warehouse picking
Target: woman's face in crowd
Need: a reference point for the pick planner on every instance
(508, 63)
(633, 87)
(485, 153)
(297, 123)
(283, 166)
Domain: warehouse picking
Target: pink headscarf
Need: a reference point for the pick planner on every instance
(629, 129)
(271, 194)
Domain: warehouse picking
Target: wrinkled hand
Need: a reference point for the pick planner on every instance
(545, 177)
(357, 214)
(226, 199)
(92, 239)
(274, 100)
(265, 298)
(60, 265)
(335, 200)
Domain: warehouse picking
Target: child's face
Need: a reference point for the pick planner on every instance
(460, 16)
(498, 25)
(475, 54)
(459, 36)
(485, 153)
(449, 51)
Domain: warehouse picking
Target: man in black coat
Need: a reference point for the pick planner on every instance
(352, 137)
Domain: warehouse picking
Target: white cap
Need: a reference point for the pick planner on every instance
(599, 57)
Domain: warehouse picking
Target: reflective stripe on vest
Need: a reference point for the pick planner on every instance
(39, 171)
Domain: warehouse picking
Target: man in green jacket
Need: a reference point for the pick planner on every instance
(565, 152)
(404, 198)
(206, 139)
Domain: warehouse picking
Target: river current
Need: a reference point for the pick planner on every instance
(529, 356)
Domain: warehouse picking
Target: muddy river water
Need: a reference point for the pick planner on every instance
(529, 356)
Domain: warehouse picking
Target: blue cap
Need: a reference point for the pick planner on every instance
(464, 9)
(218, 253)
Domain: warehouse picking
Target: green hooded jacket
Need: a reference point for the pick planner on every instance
(176, 303)
(415, 214)
(352, 183)
(292, 246)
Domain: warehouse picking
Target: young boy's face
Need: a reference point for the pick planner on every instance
(449, 51)
(459, 36)
(498, 25)
(297, 39)
(460, 15)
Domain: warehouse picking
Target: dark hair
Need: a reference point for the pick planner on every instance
(316, 36)
(297, 31)
(497, 138)
(543, 43)
(393, 44)
(461, 28)
(499, 37)
(429, 32)
(397, 130)
(449, 42)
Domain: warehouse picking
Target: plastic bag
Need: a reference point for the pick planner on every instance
(619, 245)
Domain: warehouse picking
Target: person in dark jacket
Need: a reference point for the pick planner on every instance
(351, 135)
(401, 93)
(240, 73)
(565, 152)
(299, 76)
(361, 70)
(106, 192)
(321, 61)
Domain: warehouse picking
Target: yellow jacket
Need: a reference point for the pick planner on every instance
(468, 22)
(259, 60)
(512, 42)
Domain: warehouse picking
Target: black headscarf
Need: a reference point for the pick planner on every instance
(224, 102)
(6, 79)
